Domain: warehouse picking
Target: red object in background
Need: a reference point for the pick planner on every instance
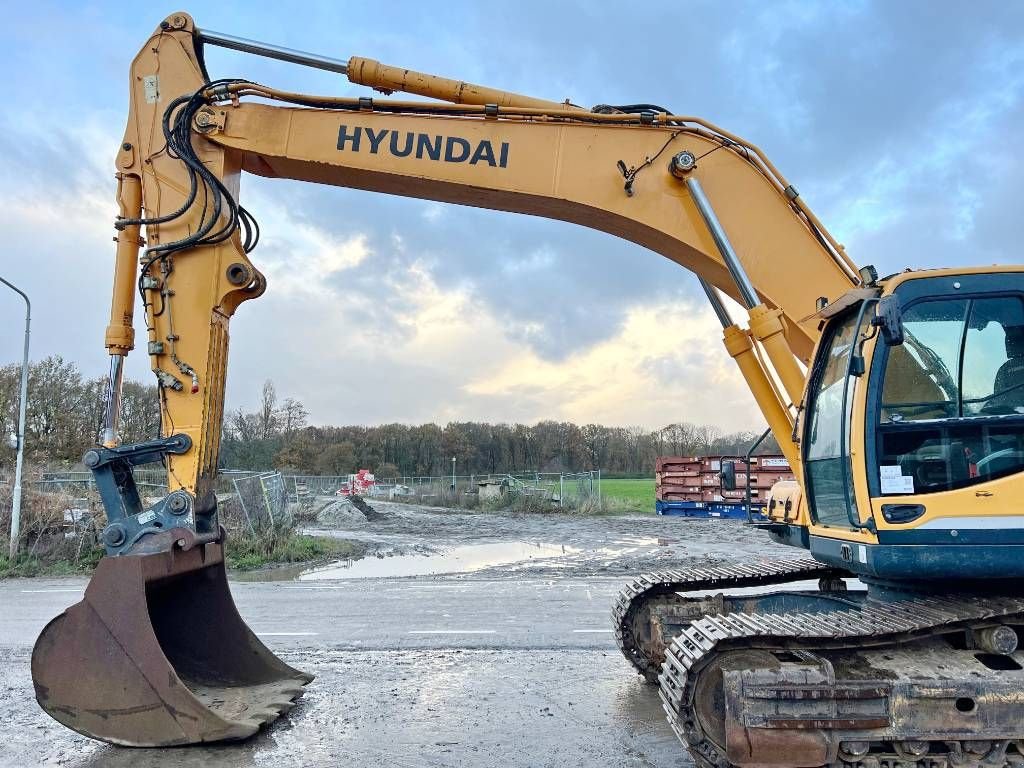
(358, 484)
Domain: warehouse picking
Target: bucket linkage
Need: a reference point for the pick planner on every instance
(156, 653)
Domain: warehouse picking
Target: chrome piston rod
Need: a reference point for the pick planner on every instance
(281, 53)
(112, 406)
(729, 255)
(716, 303)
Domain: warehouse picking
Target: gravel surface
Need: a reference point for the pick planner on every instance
(466, 639)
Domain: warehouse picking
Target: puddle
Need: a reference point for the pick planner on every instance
(465, 559)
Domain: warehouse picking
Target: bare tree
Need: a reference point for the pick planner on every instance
(705, 437)
(140, 415)
(243, 427)
(680, 439)
(267, 414)
(292, 415)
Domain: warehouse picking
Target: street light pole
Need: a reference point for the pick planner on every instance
(16, 508)
(453, 474)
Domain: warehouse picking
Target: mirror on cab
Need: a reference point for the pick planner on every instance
(889, 320)
(728, 475)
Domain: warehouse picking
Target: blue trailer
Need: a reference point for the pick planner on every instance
(730, 510)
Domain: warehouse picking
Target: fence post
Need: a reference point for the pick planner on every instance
(241, 500)
(266, 499)
(598, 484)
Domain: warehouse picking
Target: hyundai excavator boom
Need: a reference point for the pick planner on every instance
(898, 402)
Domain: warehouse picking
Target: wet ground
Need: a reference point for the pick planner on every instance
(558, 545)
(465, 640)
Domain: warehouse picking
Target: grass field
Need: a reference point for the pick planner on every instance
(637, 494)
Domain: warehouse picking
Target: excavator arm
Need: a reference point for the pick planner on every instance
(158, 610)
(631, 174)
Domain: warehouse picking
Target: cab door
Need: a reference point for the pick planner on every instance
(828, 472)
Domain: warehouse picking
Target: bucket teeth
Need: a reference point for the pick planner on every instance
(156, 654)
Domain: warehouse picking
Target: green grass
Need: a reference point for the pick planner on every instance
(620, 496)
(637, 495)
(25, 566)
(243, 553)
(246, 553)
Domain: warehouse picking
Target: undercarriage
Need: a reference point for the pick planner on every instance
(828, 676)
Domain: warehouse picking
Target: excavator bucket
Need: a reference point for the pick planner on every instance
(156, 655)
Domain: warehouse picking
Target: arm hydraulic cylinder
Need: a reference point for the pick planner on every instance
(120, 336)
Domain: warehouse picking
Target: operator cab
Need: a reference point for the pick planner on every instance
(943, 405)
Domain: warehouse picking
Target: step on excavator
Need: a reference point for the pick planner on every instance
(898, 400)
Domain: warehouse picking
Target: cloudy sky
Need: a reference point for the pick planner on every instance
(900, 122)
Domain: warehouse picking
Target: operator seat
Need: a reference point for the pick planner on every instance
(1010, 373)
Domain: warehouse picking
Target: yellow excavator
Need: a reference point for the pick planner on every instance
(899, 402)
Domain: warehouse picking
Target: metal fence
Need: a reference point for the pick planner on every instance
(150, 482)
(264, 500)
(253, 500)
(302, 487)
(560, 488)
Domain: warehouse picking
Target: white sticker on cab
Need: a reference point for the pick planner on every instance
(893, 480)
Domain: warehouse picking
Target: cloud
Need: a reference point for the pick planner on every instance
(554, 286)
(665, 364)
(897, 121)
(450, 359)
(299, 258)
(57, 208)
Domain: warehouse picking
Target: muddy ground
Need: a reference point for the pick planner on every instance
(566, 545)
(468, 639)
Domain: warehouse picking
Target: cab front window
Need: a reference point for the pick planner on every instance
(952, 398)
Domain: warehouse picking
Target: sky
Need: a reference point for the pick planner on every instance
(900, 123)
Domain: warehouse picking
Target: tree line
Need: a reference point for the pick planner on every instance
(65, 409)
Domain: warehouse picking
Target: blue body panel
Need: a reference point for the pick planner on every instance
(790, 535)
(942, 563)
(709, 509)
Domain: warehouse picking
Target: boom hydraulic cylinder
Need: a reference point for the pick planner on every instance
(765, 323)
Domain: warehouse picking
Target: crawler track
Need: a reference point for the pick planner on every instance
(897, 725)
(628, 613)
(874, 626)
